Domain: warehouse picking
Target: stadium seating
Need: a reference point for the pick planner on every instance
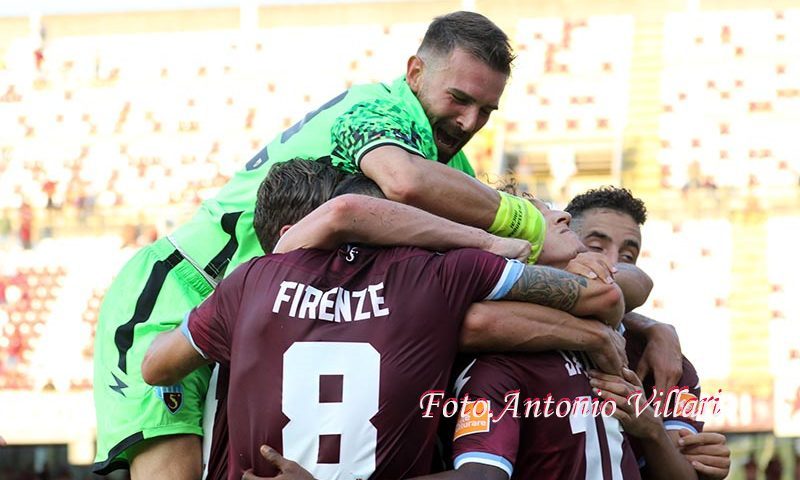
(28, 298)
(570, 78)
(730, 98)
(692, 278)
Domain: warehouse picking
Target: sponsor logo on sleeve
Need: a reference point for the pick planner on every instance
(474, 418)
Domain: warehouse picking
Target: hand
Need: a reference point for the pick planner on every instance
(642, 424)
(592, 265)
(513, 248)
(609, 356)
(289, 470)
(2, 442)
(662, 356)
(707, 453)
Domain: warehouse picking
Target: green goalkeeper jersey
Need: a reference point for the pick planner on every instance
(220, 236)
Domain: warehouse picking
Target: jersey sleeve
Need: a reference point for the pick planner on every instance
(379, 122)
(482, 437)
(690, 385)
(209, 326)
(469, 275)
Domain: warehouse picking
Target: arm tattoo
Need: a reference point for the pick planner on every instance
(549, 287)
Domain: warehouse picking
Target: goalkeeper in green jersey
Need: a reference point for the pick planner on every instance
(406, 135)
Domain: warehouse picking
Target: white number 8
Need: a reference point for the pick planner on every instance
(359, 366)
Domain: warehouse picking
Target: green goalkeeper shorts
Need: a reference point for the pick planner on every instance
(152, 294)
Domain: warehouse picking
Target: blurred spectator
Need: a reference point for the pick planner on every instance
(797, 466)
(25, 224)
(49, 189)
(774, 468)
(10, 95)
(751, 468)
(5, 227)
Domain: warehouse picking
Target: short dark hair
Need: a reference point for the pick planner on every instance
(612, 198)
(290, 191)
(360, 184)
(473, 33)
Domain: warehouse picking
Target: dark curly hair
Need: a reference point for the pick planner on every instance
(612, 198)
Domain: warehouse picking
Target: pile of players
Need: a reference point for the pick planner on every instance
(390, 264)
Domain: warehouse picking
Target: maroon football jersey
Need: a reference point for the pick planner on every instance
(329, 353)
(216, 457)
(532, 440)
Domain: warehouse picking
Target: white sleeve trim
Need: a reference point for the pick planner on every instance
(511, 273)
(380, 142)
(678, 425)
(484, 459)
(186, 333)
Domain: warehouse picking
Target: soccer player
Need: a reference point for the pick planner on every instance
(406, 135)
(608, 220)
(347, 337)
(291, 190)
(553, 442)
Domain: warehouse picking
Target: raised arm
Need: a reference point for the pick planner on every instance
(431, 186)
(170, 358)
(635, 284)
(582, 297)
(364, 219)
(449, 193)
(524, 327)
(662, 354)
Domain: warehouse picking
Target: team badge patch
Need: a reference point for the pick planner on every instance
(172, 397)
(473, 419)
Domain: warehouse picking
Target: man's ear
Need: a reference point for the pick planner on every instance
(414, 73)
(284, 229)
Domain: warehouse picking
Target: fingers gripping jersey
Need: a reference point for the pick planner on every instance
(220, 236)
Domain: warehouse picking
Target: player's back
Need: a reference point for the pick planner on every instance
(545, 442)
(349, 124)
(330, 353)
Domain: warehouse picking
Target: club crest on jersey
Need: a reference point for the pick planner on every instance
(474, 418)
(172, 397)
(350, 253)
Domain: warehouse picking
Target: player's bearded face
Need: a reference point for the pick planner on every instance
(458, 93)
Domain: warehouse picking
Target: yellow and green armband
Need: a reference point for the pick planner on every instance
(519, 218)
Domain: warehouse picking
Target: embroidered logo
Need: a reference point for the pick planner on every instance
(172, 397)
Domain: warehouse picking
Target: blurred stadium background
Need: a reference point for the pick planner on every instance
(115, 125)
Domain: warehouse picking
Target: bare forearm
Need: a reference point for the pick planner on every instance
(169, 359)
(663, 460)
(363, 219)
(645, 326)
(570, 293)
(431, 186)
(524, 327)
(635, 284)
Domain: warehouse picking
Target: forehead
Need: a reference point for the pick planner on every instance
(464, 72)
(542, 206)
(616, 225)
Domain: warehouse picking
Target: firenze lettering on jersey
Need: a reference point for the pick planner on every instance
(335, 305)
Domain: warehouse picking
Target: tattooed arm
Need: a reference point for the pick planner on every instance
(570, 293)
